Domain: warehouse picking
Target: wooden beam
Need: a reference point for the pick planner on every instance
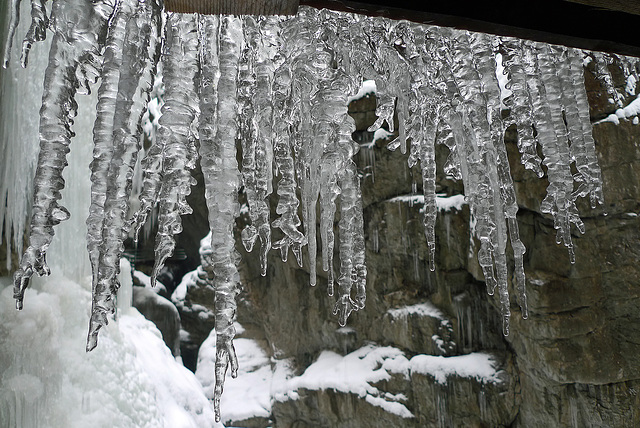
(626, 6)
(600, 25)
(233, 7)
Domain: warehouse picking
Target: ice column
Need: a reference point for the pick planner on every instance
(122, 100)
(79, 27)
(283, 150)
(222, 181)
(257, 163)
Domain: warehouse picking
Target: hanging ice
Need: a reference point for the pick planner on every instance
(121, 101)
(280, 87)
(79, 27)
(219, 61)
(257, 150)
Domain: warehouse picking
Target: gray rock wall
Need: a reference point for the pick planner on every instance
(574, 362)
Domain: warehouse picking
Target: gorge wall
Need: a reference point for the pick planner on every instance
(574, 362)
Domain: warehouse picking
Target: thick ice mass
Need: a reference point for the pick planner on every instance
(122, 98)
(277, 89)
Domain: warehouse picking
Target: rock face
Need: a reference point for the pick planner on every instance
(574, 362)
(162, 313)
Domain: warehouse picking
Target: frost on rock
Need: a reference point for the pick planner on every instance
(277, 88)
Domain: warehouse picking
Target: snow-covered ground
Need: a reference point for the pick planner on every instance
(129, 380)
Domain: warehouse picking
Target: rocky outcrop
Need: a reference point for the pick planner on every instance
(162, 313)
(574, 362)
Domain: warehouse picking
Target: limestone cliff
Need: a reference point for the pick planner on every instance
(574, 362)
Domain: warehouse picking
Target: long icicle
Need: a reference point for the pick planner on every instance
(179, 112)
(103, 146)
(37, 31)
(283, 149)
(299, 35)
(75, 39)
(14, 19)
(220, 169)
(142, 29)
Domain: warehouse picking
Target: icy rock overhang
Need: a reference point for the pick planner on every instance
(280, 86)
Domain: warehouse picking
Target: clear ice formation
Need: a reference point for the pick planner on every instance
(219, 60)
(279, 86)
(133, 44)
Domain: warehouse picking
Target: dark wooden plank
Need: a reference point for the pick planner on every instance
(233, 7)
(600, 25)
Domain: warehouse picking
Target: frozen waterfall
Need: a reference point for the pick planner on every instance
(280, 86)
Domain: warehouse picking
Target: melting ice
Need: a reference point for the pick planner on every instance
(280, 85)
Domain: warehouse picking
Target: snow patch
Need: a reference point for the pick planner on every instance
(353, 373)
(367, 87)
(478, 365)
(248, 395)
(631, 110)
(444, 203)
(130, 380)
(145, 280)
(424, 309)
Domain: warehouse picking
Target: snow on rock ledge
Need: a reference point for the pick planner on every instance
(384, 384)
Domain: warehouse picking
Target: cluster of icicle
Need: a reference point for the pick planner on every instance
(280, 86)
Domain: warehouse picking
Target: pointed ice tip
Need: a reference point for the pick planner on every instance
(505, 328)
(92, 341)
(19, 304)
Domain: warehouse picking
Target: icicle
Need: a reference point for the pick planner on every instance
(352, 267)
(220, 169)
(141, 21)
(288, 203)
(553, 138)
(478, 180)
(38, 29)
(519, 104)
(603, 74)
(79, 26)
(179, 113)
(332, 130)
(14, 19)
(484, 61)
(399, 71)
(299, 35)
(257, 144)
(584, 154)
(383, 60)
(422, 130)
(103, 134)
(428, 166)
